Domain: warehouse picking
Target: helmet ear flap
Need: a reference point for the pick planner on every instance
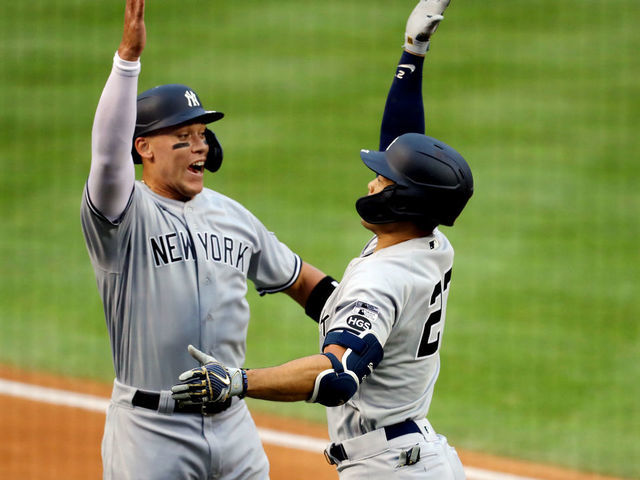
(392, 205)
(214, 157)
(401, 205)
(134, 153)
(375, 208)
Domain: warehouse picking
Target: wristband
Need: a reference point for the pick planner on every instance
(128, 68)
(318, 297)
(245, 383)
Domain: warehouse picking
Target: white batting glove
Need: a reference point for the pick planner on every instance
(213, 382)
(422, 24)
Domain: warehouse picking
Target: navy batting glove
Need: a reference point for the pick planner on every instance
(213, 382)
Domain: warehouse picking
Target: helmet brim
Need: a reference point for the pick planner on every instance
(377, 161)
(208, 116)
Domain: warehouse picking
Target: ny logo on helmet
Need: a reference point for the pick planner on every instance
(192, 99)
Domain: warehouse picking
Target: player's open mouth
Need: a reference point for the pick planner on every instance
(197, 167)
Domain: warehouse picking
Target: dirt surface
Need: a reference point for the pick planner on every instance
(43, 441)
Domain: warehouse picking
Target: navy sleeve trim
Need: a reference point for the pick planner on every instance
(99, 214)
(296, 273)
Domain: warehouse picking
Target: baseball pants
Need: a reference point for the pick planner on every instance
(373, 457)
(144, 444)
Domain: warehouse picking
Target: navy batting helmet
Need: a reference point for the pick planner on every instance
(432, 182)
(172, 105)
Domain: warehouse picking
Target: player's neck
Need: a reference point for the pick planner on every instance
(393, 233)
(385, 241)
(164, 190)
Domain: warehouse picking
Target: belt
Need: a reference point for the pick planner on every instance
(336, 452)
(151, 400)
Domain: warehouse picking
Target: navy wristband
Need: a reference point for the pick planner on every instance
(318, 297)
(245, 383)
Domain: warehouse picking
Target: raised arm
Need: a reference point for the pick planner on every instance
(404, 107)
(112, 175)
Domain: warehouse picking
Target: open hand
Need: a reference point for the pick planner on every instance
(213, 382)
(134, 35)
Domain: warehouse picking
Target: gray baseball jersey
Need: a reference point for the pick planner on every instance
(400, 294)
(172, 273)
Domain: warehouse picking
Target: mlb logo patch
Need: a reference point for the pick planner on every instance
(366, 310)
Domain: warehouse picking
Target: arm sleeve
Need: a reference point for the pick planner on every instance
(404, 107)
(112, 175)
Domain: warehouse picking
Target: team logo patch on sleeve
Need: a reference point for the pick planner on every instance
(366, 310)
(362, 316)
(359, 322)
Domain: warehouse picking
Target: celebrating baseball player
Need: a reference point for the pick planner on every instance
(172, 259)
(381, 329)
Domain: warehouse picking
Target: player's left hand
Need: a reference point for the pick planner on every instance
(134, 35)
(213, 382)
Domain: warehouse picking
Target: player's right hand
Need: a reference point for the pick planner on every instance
(208, 383)
(212, 382)
(134, 35)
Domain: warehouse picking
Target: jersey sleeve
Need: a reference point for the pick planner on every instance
(366, 303)
(273, 267)
(105, 240)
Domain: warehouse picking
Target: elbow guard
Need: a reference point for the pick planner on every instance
(334, 386)
(363, 353)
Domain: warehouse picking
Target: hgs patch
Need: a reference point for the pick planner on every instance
(359, 322)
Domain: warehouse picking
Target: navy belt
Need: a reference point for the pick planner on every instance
(151, 400)
(336, 451)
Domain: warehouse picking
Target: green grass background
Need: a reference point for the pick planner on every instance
(540, 358)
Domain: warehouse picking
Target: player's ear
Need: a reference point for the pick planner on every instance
(143, 147)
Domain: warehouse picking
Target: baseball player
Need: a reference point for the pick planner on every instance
(381, 329)
(172, 259)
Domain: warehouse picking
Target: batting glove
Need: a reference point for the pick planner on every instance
(422, 23)
(213, 382)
